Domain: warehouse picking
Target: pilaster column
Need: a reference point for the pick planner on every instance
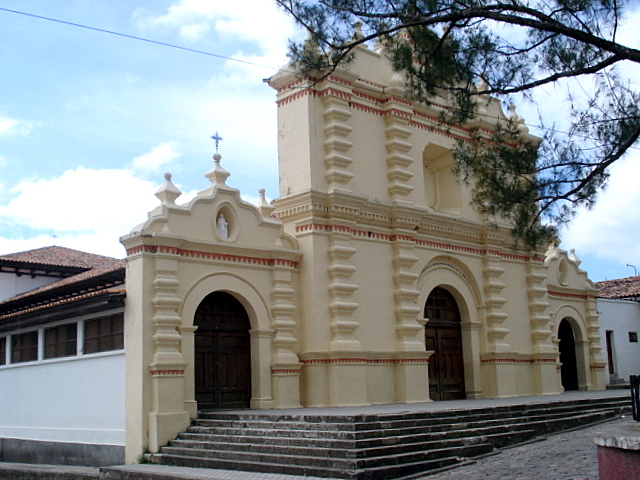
(398, 113)
(543, 351)
(337, 113)
(347, 370)
(596, 362)
(261, 391)
(498, 366)
(285, 365)
(411, 356)
(495, 316)
(168, 415)
(341, 288)
(188, 351)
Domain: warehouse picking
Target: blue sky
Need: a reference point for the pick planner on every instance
(90, 122)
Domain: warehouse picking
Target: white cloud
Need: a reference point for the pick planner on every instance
(81, 201)
(84, 209)
(14, 126)
(610, 231)
(156, 158)
(245, 20)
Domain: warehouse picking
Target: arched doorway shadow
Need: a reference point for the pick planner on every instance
(443, 336)
(568, 357)
(222, 353)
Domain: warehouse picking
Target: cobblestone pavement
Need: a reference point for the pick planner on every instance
(564, 456)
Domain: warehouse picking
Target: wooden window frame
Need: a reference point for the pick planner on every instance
(24, 347)
(3, 351)
(103, 334)
(61, 341)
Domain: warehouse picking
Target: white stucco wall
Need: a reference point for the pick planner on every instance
(621, 317)
(12, 284)
(75, 399)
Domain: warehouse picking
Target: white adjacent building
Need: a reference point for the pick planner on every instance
(619, 310)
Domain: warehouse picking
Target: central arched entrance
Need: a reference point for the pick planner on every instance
(443, 335)
(222, 353)
(569, 368)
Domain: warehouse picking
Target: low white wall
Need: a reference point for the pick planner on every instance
(75, 399)
(621, 317)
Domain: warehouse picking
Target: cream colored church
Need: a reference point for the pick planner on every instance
(370, 280)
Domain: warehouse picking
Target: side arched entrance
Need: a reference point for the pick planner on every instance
(443, 336)
(222, 353)
(568, 358)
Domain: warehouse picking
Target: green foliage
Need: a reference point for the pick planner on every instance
(509, 47)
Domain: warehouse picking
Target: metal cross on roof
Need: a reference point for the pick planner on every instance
(217, 139)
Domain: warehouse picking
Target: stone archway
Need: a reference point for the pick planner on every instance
(568, 357)
(222, 353)
(443, 336)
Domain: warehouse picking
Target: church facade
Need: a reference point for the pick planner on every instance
(370, 280)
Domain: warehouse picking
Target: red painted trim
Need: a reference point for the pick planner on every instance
(309, 227)
(157, 373)
(285, 371)
(571, 295)
(223, 257)
(379, 361)
(518, 360)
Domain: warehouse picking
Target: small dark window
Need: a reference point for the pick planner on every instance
(103, 334)
(3, 351)
(61, 341)
(24, 347)
(633, 337)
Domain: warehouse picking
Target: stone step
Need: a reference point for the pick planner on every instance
(370, 447)
(394, 465)
(325, 423)
(327, 459)
(147, 471)
(272, 438)
(391, 429)
(391, 470)
(370, 418)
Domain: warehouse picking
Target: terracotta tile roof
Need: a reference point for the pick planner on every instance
(93, 273)
(57, 257)
(621, 288)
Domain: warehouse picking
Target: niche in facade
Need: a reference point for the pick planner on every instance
(442, 189)
(225, 223)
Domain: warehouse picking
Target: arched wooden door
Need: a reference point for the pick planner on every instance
(222, 353)
(569, 368)
(443, 335)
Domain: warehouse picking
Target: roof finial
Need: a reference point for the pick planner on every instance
(266, 209)
(168, 192)
(217, 138)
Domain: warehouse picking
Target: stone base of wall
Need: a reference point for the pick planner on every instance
(60, 453)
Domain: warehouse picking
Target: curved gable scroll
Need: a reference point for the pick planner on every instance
(218, 215)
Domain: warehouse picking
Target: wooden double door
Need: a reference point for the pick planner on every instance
(222, 353)
(443, 335)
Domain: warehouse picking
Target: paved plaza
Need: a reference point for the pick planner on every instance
(564, 456)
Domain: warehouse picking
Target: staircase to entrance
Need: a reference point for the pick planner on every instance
(374, 445)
